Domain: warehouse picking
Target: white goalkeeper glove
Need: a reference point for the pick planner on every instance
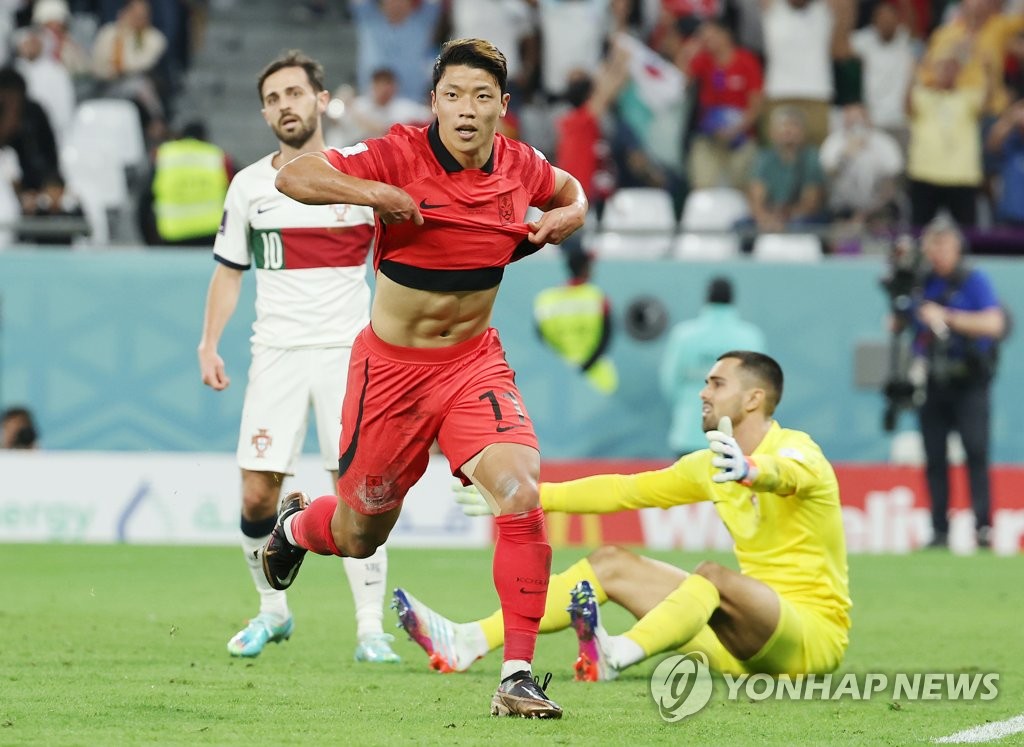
(729, 457)
(470, 500)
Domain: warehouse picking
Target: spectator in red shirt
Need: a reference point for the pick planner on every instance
(581, 145)
(729, 82)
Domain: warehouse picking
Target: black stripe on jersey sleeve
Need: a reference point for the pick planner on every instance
(229, 263)
(445, 281)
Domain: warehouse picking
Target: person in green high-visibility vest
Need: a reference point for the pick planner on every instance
(190, 181)
(574, 320)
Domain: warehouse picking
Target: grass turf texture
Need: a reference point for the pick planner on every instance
(126, 645)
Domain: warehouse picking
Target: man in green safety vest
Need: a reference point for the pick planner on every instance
(574, 320)
(190, 180)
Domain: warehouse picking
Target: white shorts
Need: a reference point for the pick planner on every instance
(282, 385)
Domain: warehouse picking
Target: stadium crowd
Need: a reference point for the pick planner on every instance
(840, 118)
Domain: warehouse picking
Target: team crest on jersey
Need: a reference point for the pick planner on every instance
(374, 486)
(341, 212)
(506, 211)
(261, 441)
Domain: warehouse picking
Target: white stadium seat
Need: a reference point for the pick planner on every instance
(787, 247)
(702, 247)
(718, 208)
(112, 127)
(637, 223)
(98, 182)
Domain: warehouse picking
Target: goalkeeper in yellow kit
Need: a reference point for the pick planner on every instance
(785, 612)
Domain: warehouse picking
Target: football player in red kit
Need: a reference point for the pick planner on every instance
(450, 201)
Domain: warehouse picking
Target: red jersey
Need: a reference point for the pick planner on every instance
(473, 219)
(729, 85)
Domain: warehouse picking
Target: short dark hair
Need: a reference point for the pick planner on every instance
(26, 436)
(720, 290)
(383, 73)
(579, 262)
(765, 369)
(294, 58)
(475, 53)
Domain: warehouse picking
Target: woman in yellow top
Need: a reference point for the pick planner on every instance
(785, 612)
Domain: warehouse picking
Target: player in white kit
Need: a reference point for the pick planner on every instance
(311, 300)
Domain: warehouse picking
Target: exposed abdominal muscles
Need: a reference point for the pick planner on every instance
(411, 317)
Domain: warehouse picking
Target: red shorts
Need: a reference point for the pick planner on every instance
(400, 399)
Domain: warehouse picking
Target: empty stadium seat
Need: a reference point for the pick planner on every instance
(111, 127)
(99, 183)
(638, 223)
(713, 209)
(787, 247)
(702, 247)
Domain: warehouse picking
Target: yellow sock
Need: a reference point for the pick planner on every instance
(555, 615)
(677, 618)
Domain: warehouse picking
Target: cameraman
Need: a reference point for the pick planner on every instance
(957, 327)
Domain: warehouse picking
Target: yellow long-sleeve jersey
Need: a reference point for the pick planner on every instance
(787, 527)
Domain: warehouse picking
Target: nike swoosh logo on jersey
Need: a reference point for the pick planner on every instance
(524, 590)
(503, 428)
(260, 211)
(424, 205)
(372, 583)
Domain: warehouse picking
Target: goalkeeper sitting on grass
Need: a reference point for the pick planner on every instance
(785, 612)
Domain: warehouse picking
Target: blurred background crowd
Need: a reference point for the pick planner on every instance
(843, 122)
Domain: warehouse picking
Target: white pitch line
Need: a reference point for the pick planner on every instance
(985, 732)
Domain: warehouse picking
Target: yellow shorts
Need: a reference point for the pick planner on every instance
(804, 642)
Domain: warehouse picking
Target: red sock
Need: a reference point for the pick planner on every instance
(312, 528)
(522, 568)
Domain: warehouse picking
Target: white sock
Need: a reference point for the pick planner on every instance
(367, 578)
(510, 667)
(286, 525)
(470, 641)
(622, 651)
(272, 601)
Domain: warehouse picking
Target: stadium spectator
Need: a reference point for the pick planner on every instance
(692, 348)
(944, 156)
(787, 186)
(787, 609)
(47, 81)
(438, 369)
(510, 25)
(651, 113)
(18, 429)
(1014, 72)
(582, 149)
(887, 58)
(1006, 142)
(311, 299)
(799, 38)
(957, 327)
(397, 34)
(575, 321)
(862, 165)
(561, 52)
(373, 113)
(729, 93)
(978, 37)
(125, 55)
(25, 127)
(184, 202)
(51, 18)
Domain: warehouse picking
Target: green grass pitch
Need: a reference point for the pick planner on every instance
(126, 645)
